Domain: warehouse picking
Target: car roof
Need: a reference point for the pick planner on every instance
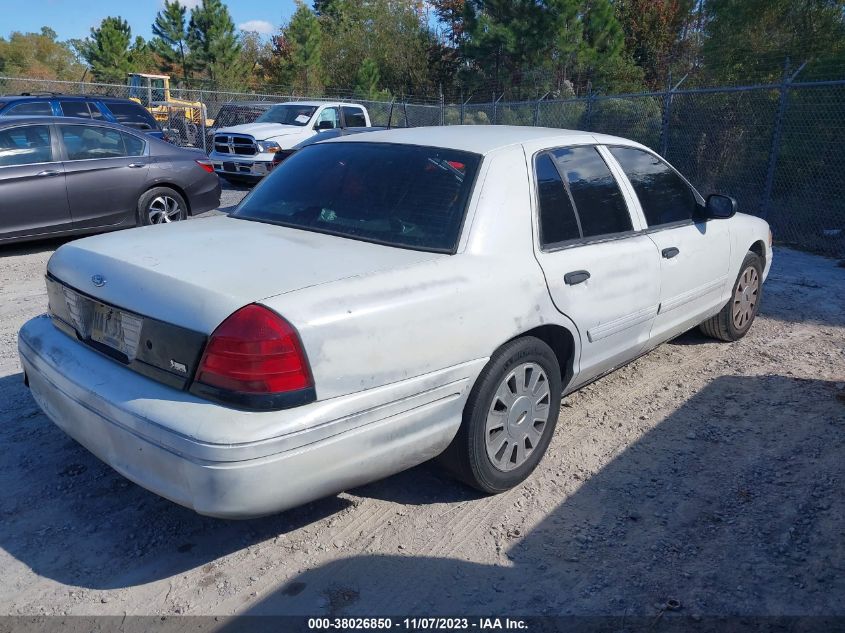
(9, 120)
(479, 139)
(318, 103)
(35, 96)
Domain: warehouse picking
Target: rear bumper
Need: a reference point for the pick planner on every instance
(207, 197)
(227, 463)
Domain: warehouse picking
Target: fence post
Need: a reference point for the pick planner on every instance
(667, 111)
(774, 151)
(496, 108)
(537, 110)
(442, 107)
(203, 116)
(588, 116)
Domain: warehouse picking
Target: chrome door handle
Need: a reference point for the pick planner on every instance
(576, 277)
(669, 253)
(49, 172)
(136, 165)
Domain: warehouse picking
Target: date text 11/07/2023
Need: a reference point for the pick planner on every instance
(418, 624)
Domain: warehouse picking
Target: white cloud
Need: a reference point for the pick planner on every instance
(258, 26)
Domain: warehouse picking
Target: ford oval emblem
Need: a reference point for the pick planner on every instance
(98, 280)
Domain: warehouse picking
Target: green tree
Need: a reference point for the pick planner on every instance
(213, 44)
(108, 50)
(655, 34)
(750, 39)
(368, 82)
(306, 40)
(39, 55)
(392, 34)
(171, 35)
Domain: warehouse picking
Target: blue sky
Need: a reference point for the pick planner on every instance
(74, 18)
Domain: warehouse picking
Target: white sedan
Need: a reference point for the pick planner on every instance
(379, 300)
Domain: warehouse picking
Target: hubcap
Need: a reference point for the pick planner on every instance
(164, 209)
(517, 416)
(745, 297)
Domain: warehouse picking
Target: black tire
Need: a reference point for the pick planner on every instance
(467, 456)
(240, 182)
(155, 196)
(723, 326)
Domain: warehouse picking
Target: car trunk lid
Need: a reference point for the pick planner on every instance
(194, 274)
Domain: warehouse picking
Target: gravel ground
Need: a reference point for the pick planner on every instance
(707, 473)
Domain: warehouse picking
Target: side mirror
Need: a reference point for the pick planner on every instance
(719, 207)
(325, 125)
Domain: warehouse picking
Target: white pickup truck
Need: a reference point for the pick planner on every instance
(248, 152)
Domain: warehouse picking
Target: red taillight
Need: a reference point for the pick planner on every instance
(206, 165)
(254, 351)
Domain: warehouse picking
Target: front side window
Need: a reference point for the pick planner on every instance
(133, 115)
(354, 117)
(288, 114)
(329, 117)
(34, 108)
(598, 200)
(663, 194)
(399, 195)
(25, 145)
(86, 143)
(558, 222)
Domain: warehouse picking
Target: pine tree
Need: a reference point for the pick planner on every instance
(213, 43)
(367, 82)
(305, 38)
(170, 42)
(107, 50)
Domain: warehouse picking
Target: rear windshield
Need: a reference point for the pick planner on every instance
(288, 114)
(132, 115)
(400, 195)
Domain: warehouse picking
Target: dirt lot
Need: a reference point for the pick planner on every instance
(707, 473)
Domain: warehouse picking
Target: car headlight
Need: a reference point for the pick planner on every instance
(268, 146)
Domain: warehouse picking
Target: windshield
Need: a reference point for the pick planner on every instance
(400, 195)
(288, 114)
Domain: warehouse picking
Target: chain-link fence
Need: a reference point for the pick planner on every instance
(779, 149)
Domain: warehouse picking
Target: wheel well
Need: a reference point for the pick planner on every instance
(175, 188)
(760, 249)
(563, 345)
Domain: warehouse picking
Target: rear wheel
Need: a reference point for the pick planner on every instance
(735, 319)
(509, 418)
(161, 205)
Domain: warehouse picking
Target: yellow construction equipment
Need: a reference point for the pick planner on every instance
(178, 116)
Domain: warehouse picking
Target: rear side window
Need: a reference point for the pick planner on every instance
(354, 117)
(77, 109)
(558, 222)
(86, 143)
(598, 200)
(663, 194)
(35, 108)
(133, 115)
(134, 146)
(25, 145)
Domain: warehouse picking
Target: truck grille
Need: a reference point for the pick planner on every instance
(234, 144)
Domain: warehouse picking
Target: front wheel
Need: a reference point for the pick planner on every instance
(509, 418)
(161, 205)
(735, 319)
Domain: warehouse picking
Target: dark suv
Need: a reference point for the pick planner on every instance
(97, 107)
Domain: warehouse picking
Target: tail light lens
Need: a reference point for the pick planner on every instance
(255, 352)
(207, 165)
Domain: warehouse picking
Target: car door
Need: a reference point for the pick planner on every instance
(106, 172)
(695, 254)
(33, 198)
(600, 270)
